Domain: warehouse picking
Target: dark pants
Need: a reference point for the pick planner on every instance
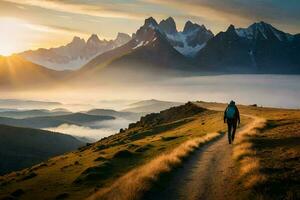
(232, 123)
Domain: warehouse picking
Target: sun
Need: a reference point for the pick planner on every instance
(11, 36)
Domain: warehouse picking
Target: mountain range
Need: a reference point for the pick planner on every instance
(156, 45)
(76, 53)
(160, 48)
(260, 48)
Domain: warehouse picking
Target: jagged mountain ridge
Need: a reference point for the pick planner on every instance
(155, 46)
(265, 31)
(149, 49)
(76, 53)
(255, 49)
(189, 41)
(260, 48)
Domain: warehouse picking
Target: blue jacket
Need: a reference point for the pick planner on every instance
(237, 114)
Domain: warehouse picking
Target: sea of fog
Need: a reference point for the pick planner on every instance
(92, 132)
(263, 90)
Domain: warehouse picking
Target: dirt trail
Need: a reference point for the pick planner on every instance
(207, 174)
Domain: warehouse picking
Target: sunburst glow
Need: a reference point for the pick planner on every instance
(11, 35)
(18, 35)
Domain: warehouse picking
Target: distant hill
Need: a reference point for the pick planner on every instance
(17, 72)
(168, 115)
(24, 147)
(20, 114)
(114, 113)
(53, 121)
(150, 106)
(13, 103)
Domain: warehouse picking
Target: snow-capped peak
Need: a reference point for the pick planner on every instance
(144, 42)
(190, 27)
(168, 26)
(93, 39)
(77, 41)
(187, 42)
(191, 40)
(75, 54)
(147, 32)
(150, 23)
(122, 38)
(267, 31)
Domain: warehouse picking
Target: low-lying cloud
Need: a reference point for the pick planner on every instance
(92, 131)
(82, 132)
(115, 124)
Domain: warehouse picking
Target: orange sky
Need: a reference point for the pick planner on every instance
(31, 24)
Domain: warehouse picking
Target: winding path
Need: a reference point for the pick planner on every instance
(208, 174)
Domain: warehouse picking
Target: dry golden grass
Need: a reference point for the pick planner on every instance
(249, 165)
(254, 179)
(244, 153)
(132, 185)
(243, 149)
(275, 149)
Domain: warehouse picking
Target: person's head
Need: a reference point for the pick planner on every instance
(232, 102)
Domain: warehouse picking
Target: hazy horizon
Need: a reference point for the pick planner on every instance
(264, 90)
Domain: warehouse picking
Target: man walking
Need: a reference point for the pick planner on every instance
(232, 117)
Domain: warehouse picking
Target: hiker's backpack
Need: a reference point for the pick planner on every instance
(230, 112)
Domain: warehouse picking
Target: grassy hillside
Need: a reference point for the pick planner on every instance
(279, 154)
(114, 113)
(96, 166)
(53, 121)
(24, 147)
